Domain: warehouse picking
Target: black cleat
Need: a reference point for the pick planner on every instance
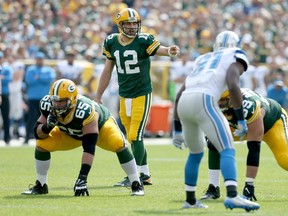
(211, 193)
(137, 189)
(37, 189)
(145, 179)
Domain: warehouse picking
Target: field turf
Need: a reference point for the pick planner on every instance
(164, 197)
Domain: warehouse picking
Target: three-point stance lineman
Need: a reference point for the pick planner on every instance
(69, 120)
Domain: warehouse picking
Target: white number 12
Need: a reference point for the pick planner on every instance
(128, 63)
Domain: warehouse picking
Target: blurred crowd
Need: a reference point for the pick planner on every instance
(51, 26)
(59, 28)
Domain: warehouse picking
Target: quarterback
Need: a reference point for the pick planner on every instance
(130, 51)
(69, 120)
(267, 121)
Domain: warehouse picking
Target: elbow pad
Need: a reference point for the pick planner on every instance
(35, 130)
(89, 142)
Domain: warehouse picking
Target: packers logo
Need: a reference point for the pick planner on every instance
(71, 88)
(118, 16)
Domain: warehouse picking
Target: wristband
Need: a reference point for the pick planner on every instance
(249, 181)
(177, 126)
(171, 55)
(239, 113)
(85, 169)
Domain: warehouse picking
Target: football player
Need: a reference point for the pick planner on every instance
(197, 110)
(267, 121)
(130, 51)
(69, 120)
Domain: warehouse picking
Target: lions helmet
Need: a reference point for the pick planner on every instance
(226, 39)
(132, 16)
(63, 95)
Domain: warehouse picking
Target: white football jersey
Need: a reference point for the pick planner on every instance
(209, 71)
(69, 71)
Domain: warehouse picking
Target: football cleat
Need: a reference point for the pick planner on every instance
(198, 204)
(145, 179)
(211, 193)
(240, 202)
(37, 189)
(124, 183)
(137, 189)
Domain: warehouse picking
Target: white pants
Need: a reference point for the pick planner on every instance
(200, 115)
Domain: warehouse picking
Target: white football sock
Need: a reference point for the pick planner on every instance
(214, 177)
(130, 169)
(42, 168)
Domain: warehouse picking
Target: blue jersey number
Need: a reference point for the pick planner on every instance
(211, 59)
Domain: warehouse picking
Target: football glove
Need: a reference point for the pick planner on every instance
(241, 130)
(178, 140)
(51, 121)
(80, 187)
(248, 192)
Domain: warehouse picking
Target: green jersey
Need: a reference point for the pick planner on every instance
(252, 104)
(132, 63)
(84, 113)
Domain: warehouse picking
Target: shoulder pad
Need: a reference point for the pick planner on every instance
(241, 55)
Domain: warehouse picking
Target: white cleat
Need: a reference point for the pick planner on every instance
(198, 204)
(240, 202)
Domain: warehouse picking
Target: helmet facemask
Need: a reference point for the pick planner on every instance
(129, 32)
(224, 104)
(63, 95)
(61, 106)
(226, 107)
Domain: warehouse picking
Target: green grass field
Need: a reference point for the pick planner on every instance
(165, 197)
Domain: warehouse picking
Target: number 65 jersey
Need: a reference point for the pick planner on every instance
(82, 114)
(132, 62)
(209, 71)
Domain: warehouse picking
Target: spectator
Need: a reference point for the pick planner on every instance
(247, 79)
(178, 72)
(278, 92)
(69, 69)
(17, 105)
(6, 77)
(261, 76)
(38, 79)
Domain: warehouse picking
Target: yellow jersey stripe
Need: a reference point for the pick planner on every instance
(152, 47)
(256, 114)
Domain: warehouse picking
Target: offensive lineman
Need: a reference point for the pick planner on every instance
(69, 120)
(266, 121)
